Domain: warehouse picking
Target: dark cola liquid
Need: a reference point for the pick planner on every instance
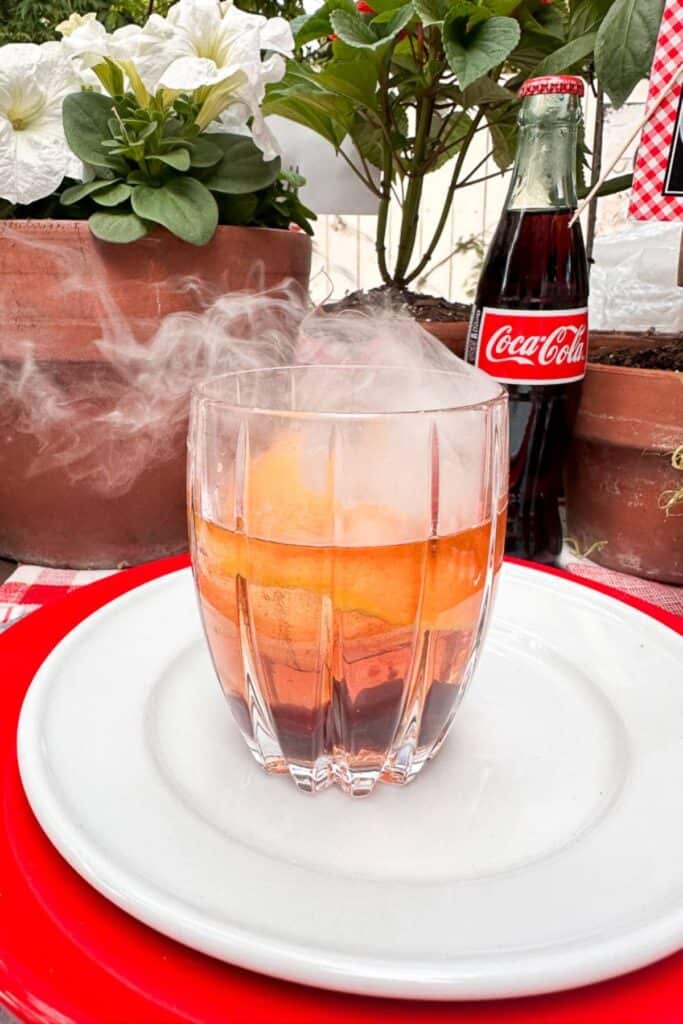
(536, 262)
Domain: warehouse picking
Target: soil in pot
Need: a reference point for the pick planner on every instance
(622, 471)
(447, 321)
(663, 355)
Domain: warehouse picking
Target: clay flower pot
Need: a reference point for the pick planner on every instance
(71, 494)
(451, 333)
(629, 423)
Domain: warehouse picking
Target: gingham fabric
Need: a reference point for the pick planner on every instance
(647, 201)
(32, 586)
(665, 596)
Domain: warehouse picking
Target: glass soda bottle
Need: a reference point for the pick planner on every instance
(529, 323)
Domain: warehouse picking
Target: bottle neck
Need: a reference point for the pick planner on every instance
(544, 174)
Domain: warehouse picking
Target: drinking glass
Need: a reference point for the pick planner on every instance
(347, 524)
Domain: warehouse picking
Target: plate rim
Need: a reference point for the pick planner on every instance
(291, 962)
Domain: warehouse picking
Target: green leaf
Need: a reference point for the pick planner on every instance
(504, 7)
(503, 131)
(77, 192)
(625, 46)
(431, 12)
(453, 141)
(471, 54)
(547, 21)
(382, 6)
(182, 205)
(367, 139)
(352, 30)
(485, 92)
(294, 105)
(317, 25)
(353, 79)
(178, 159)
(566, 56)
(118, 227)
(242, 168)
(86, 116)
(113, 196)
(237, 209)
(204, 153)
(586, 16)
(111, 76)
(299, 97)
(400, 18)
(356, 32)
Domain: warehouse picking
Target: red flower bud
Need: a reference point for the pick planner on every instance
(333, 38)
(364, 8)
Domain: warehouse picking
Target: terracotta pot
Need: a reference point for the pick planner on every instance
(95, 511)
(452, 333)
(628, 425)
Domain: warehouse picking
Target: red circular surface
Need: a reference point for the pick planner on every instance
(67, 956)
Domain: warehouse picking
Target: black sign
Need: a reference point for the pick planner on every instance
(673, 181)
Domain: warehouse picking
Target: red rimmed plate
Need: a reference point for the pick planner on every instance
(68, 955)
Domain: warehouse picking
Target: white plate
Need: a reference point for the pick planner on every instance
(542, 849)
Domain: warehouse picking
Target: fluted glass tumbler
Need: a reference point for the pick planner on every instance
(347, 524)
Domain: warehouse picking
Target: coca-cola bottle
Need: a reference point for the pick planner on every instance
(529, 324)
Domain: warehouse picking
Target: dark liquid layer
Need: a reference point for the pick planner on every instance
(537, 262)
(362, 727)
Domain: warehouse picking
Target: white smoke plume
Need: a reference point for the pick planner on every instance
(108, 420)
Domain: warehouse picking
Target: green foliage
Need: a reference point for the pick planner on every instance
(155, 167)
(33, 21)
(411, 85)
(624, 45)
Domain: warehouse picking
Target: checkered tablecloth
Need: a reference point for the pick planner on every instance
(31, 587)
(648, 201)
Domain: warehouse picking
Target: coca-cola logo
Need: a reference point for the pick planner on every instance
(531, 347)
(564, 344)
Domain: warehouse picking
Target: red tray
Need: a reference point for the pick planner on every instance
(67, 956)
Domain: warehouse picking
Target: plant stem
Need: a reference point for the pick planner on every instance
(150, 8)
(410, 214)
(387, 174)
(429, 251)
(595, 173)
(368, 182)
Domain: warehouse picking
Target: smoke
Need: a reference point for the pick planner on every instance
(110, 416)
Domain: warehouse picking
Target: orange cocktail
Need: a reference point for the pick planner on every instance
(342, 660)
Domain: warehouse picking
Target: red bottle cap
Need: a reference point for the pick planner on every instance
(571, 84)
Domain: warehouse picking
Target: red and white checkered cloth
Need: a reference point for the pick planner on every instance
(31, 587)
(647, 199)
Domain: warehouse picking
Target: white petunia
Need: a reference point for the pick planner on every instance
(219, 49)
(68, 27)
(34, 155)
(190, 73)
(87, 40)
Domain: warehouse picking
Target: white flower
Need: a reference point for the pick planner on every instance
(34, 155)
(219, 48)
(85, 38)
(68, 27)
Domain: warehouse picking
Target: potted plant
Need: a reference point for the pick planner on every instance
(623, 486)
(411, 86)
(133, 161)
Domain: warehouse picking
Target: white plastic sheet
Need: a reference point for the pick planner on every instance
(633, 280)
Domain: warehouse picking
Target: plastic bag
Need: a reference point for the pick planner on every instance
(633, 281)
